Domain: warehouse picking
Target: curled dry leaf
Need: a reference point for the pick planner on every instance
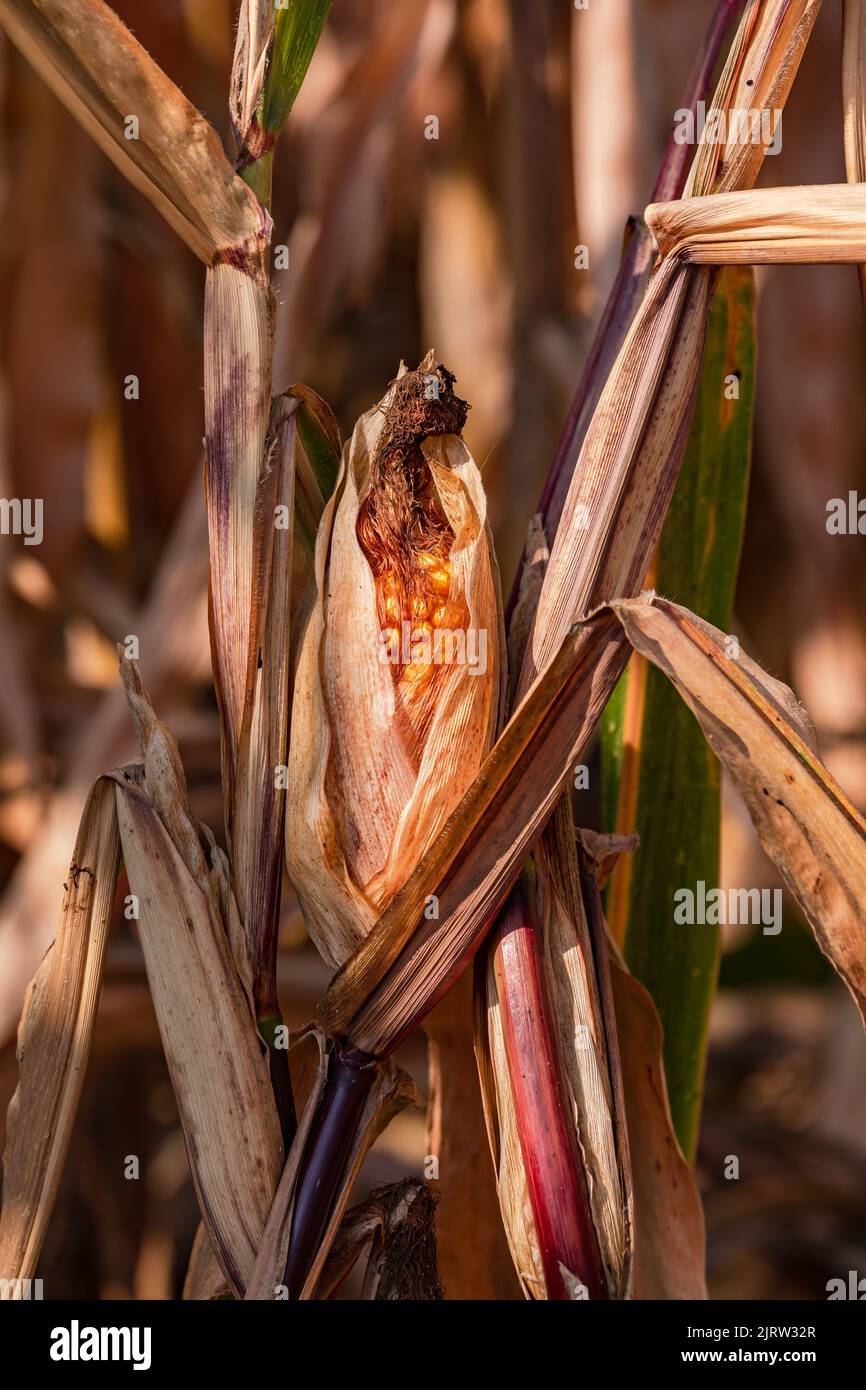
(395, 1229)
(195, 956)
(822, 222)
(384, 745)
(754, 724)
(54, 1039)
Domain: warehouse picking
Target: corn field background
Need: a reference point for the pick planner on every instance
(442, 165)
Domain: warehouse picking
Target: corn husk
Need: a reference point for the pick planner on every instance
(366, 796)
(824, 222)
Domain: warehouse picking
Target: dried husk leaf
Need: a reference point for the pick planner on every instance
(754, 724)
(92, 62)
(217, 1067)
(578, 988)
(504, 1138)
(54, 1039)
(821, 222)
(197, 967)
(365, 800)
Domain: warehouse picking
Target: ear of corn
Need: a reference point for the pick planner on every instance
(385, 745)
(544, 1070)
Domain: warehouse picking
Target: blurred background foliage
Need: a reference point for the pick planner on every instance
(551, 124)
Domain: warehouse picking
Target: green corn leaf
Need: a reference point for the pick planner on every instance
(661, 779)
(297, 27)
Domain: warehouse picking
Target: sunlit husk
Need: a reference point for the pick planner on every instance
(819, 222)
(366, 796)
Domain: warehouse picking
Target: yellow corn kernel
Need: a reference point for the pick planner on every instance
(419, 607)
(428, 561)
(392, 608)
(417, 673)
(440, 615)
(440, 579)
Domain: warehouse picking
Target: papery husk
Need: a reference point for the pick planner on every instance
(820, 222)
(362, 805)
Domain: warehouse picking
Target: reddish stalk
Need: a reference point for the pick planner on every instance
(554, 1176)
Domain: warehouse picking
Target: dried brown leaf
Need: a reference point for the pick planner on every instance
(99, 71)
(810, 830)
(54, 1040)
